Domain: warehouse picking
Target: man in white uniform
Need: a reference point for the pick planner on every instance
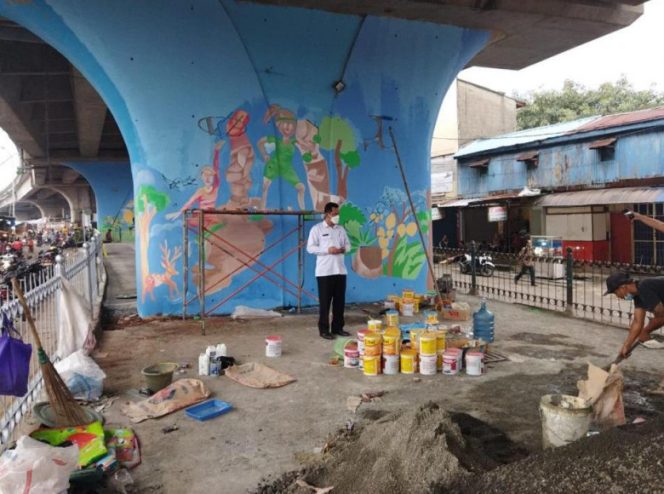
(329, 242)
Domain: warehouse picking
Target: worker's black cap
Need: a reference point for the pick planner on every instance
(616, 280)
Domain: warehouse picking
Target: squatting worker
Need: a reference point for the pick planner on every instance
(648, 296)
(329, 242)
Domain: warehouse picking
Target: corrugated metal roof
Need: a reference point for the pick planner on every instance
(459, 203)
(620, 119)
(522, 137)
(623, 195)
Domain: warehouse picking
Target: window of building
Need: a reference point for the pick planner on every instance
(482, 166)
(530, 158)
(648, 242)
(605, 147)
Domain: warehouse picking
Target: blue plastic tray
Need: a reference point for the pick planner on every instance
(208, 410)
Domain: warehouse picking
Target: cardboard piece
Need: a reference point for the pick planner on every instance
(458, 311)
(257, 375)
(604, 391)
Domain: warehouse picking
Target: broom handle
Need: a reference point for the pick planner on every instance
(26, 311)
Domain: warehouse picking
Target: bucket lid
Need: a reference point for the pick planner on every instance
(475, 354)
(273, 339)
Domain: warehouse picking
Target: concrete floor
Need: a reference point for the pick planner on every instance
(120, 264)
(272, 431)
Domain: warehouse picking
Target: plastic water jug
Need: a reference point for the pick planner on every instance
(483, 323)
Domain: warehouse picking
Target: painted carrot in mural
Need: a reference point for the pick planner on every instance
(280, 163)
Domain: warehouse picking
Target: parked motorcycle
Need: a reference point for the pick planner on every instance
(483, 264)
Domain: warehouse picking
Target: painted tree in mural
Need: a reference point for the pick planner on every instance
(149, 202)
(336, 134)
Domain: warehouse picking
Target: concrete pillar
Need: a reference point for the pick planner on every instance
(240, 105)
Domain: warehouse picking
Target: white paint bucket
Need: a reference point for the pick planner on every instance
(565, 419)
(450, 363)
(391, 364)
(273, 346)
(407, 309)
(351, 358)
(474, 363)
(428, 364)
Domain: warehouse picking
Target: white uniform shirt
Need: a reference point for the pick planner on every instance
(321, 238)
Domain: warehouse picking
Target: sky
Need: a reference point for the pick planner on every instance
(634, 51)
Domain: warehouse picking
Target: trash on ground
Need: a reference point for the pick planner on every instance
(37, 467)
(180, 394)
(257, 375)
(89, 439)
(604, 391)
(170, 428)
(82, 375)
(123, 442)
(372, 396)
(208, 410)
(244, 312)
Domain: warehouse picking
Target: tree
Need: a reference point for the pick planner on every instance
(575, 101)
(336, 133)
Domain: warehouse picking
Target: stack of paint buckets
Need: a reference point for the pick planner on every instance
(408, 304)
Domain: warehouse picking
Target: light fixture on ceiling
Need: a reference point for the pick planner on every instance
(339, 86)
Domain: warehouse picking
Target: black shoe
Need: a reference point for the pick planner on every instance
(342, 333)
(327, 336)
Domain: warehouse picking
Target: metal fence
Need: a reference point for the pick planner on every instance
(83, 267)
(562, 284)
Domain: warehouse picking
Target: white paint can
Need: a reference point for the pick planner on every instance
(407, 309)
(351, 357)
(474, 363)
(428, 365)
(273, 346)
(450, 363)
(391, 364)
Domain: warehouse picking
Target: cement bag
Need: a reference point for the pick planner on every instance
(604, 391)
(82, 375)
(74, 327)
(180, 394)
(37, 468)
(257, 375)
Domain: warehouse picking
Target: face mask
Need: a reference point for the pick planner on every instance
(335, 219)
(629, 297)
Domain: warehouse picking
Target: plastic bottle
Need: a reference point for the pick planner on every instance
(483, 323)
(221, 350)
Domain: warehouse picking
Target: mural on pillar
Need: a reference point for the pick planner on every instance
(122, 224)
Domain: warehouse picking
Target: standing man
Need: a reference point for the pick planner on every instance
(527, 259)
(329, 242)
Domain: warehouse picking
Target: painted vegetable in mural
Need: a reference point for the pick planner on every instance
(386, 243)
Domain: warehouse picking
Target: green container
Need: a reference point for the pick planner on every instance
(158, 376)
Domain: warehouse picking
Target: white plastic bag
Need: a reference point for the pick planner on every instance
(244, 312)
(74, 327)
(36, 468)
(82, 375)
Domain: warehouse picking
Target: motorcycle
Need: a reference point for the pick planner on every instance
(483, 264)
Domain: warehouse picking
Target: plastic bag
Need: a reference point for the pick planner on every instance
(14, 360)
(244, 312)
(82, 375)
(37, 468)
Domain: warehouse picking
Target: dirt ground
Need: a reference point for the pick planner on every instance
(270, 432)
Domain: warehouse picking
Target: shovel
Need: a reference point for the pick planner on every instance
(620, 358)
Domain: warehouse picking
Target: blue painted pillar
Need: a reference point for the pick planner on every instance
(114, 193)
(233, 105)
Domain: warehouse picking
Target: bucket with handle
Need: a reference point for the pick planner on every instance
(565, 419)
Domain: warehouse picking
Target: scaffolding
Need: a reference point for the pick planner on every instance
(193, 221)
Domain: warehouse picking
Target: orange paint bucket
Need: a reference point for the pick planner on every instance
(372, 344)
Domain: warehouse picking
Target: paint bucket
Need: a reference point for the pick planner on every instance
(474, 363)
(441, 336)
(408, 361)
(351, 355)
(565, 419)
(273, 346)
(391, 318)
(371, 365)
(439, 360)
(416, 306)
(415, 335)
(407, 307)
(391, 341)
(427, 344)
(428, 364)
(374, 325)
(431, 317)
(372, 344)
(360, 339)
(450, 363)
(406, 293)
(390, 304)
(391, 364)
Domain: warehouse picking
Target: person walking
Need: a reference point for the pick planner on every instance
(329, 242)
(527, 258)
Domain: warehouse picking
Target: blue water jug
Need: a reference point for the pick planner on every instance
(483, 323)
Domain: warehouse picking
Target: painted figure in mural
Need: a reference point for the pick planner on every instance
(280, 163)
(238, 173)
(315, 164)
(329, 242)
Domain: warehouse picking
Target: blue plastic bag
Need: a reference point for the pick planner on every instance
(14, 360)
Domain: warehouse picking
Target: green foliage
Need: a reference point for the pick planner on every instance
(409, 258)
(307, 157)
(354, 221)
(158, 199)
(348, 212)
(351, 158)
(424, 219)
(575, 101)
(335, 129)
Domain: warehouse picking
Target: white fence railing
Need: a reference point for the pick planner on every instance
(84, 269)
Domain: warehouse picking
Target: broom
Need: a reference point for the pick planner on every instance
(67, 411)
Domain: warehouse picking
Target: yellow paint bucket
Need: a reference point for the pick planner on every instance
(374, 324)
(391, 341)
(371, 365)
(408, 294)
(439, 361)
(372, 344)
(391, 318)
(408, 361)
(427, 343)
(441, 336)
(431, 317)
(415, 338)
